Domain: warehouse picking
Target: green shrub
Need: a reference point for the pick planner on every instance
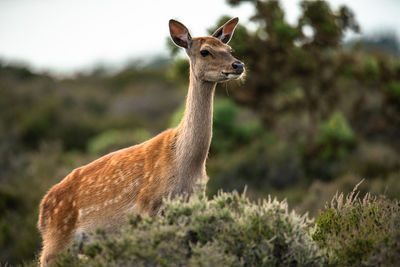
(228, 230)
(371, 68)
(228, 130)
(393, 88)
(265, 164)
(360, 232)
(335, 136)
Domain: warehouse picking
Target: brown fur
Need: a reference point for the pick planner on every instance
(136, 179)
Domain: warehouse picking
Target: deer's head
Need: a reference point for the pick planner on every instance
(210, 57)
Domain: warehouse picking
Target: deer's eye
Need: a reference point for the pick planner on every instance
(204, 53)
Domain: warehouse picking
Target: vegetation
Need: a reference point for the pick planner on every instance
(360, 232)
(313, 117)
(231, 230)
(227, 230)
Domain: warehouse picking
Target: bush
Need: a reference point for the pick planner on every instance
(336, 137)
(265, 164)
(228, 230)
(360, 232)
(229, 131)
(371, 68)
(393, 88)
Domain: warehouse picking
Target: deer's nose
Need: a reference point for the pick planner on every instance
(238, 67)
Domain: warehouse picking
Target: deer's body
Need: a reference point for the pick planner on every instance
(136, 179)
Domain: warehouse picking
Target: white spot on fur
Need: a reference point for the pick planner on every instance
(111, 201)
(66, 219)
(135, 183)
(91, 209)
(157, 163)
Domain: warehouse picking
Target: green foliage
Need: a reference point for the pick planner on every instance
(371, 68)
(393, 89)
(328, 27)
(228, 230)
(360, 232)
(335, 136)
(266, 163)
(228, 130)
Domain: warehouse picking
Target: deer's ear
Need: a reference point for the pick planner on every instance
(179, 34)
(225, 32)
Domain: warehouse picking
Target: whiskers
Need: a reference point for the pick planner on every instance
(238, 81)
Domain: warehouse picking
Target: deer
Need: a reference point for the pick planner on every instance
(136, 179)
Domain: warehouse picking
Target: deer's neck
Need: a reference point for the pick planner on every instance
(195, 128)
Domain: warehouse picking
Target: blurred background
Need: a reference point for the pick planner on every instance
(318, 112)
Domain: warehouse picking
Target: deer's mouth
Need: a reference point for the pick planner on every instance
(231, 75)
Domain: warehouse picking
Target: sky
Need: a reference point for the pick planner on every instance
(71, 35)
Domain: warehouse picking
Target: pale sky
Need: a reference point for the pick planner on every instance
(71, 35)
